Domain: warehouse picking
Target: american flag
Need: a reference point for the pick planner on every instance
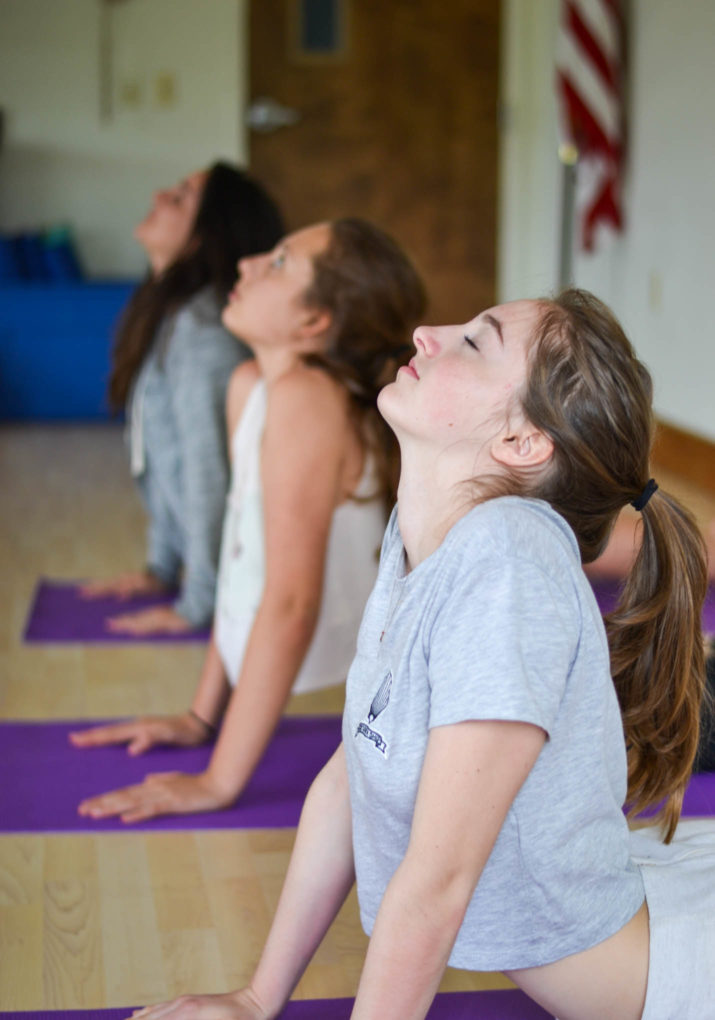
(590, 60)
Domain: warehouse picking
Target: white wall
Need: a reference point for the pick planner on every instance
(659, 274)
(62, 162)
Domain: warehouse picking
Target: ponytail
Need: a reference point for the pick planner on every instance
(588, 392)
(658, 659)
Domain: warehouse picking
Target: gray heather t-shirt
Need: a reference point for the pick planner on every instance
(498, 623)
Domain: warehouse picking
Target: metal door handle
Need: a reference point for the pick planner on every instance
(266, 114)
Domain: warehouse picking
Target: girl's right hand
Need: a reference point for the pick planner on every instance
(241, 1005)
(184, 730)
(139, 582)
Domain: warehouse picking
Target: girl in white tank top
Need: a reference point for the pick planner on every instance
(350, 566)
(327, 315)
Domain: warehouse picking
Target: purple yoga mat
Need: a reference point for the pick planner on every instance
(59, 614)
(45, 777)
(607, 595)
(699, 800)
(508, 1004)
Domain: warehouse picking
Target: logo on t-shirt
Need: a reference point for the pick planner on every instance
(378, 705)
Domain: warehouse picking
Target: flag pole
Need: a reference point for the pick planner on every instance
(568, 157)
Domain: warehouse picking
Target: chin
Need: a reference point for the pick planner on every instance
(385, 401)
(142, 234)
(230, 320)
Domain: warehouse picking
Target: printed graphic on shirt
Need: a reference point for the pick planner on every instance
(379, 704)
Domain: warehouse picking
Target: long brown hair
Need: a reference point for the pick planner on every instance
(236, 217)
(588, 391)
(375, 297)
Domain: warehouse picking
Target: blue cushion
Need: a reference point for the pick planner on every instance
(61, 261)
(9, 269)
(55, 348)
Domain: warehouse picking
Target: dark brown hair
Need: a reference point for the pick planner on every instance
(588, 391)
(236, 217)
(375, 297)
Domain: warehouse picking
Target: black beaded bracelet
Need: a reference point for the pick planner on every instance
(207, 725)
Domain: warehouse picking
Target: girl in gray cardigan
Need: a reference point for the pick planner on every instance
(172, 362)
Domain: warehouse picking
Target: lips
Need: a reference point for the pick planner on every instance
(410, 367)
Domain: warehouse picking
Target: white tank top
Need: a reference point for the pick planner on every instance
(350, 565)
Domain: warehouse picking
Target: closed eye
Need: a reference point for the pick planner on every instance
(471, 342)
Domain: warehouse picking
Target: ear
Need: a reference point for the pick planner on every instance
(315, 322)
(526, 447)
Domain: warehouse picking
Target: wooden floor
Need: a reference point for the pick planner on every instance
(123, 919)
(126, 919)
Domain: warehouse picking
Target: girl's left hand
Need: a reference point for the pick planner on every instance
(156, 620)
(241, 1005)
(161, 793)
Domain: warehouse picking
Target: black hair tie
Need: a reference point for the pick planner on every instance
(650, 486)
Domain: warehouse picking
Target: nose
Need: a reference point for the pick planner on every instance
(244, 265)
(252, 263)
(426, 341)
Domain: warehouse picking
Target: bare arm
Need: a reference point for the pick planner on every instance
(471, 774)
(186, 729)
(620, 553)
(319, 877)
(302, 458)
(213, 689)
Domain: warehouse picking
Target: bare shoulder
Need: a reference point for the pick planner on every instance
(308, 393)
(310, 439)
(242, 381)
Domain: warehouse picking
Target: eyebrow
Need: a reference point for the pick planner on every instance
(496, 325)
(276, 250)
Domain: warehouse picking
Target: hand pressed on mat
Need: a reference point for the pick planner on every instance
(161, 793)
(185, 730)
(155, 620)
(241, 1005)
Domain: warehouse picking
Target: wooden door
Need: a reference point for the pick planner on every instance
(400, 129)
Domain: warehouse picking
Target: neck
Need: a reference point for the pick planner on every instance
(430, 500)
(274, 362)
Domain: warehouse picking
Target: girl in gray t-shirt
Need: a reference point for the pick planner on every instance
(493, 728)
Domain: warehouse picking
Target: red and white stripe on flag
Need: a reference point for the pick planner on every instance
(590, 74)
